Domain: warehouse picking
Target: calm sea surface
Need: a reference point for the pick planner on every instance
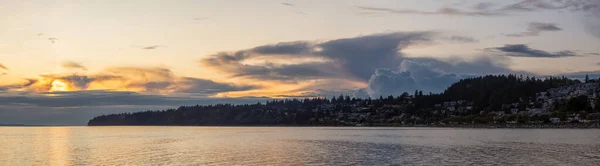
(296, 146)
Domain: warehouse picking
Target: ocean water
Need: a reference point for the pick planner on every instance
(296, 146)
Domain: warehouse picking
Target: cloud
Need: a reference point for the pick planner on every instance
(462, 39)
(428, 75)
(361, 93)
(590, 8)
(480, 9)
(3, 67)
(145, 80)
(52, 40)
(592, 19)
(441, 11)
(349, 58)
(151, 47)
(535, 28)
(390, 82)
(533, 5)
(521, 50)
(483, 6)
(373, 62)
(203, 86)
(73, 65)
(288, 4)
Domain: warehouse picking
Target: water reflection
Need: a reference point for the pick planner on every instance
(294, 146)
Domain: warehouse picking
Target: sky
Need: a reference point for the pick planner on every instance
(63, 62)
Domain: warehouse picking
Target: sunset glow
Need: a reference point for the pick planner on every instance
(252, 51)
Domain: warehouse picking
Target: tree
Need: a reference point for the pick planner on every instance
(579, 103)
(597, 103)
(587, 78)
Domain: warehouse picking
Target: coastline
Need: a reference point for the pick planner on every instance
(481, 126)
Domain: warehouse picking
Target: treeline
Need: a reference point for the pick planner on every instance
(490, 92)
(486, 94)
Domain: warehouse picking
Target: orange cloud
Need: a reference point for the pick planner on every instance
(147, 80)
(3, 67)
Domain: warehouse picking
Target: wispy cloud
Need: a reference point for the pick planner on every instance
(590, 8)
(483, 6)
(152, 47)
(462, 39)
(288, 4)
(522, 50)
(535, 28)
(441, 11)
(3, 67)
(73, 65)
(533, 5)
(52, 40)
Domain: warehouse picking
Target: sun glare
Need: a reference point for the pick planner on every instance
(58, 85)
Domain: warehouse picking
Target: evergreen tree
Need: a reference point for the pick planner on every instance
(587, 78)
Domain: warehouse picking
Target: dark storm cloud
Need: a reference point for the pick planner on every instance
(441, 11)
(373, 59)
(535, 28)
(430, 75)
(521, 50)
(350, 58)
(73, 65)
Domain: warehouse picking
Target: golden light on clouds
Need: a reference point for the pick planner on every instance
(59, 86)
(285, 60)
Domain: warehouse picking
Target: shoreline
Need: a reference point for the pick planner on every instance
(479, 126)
